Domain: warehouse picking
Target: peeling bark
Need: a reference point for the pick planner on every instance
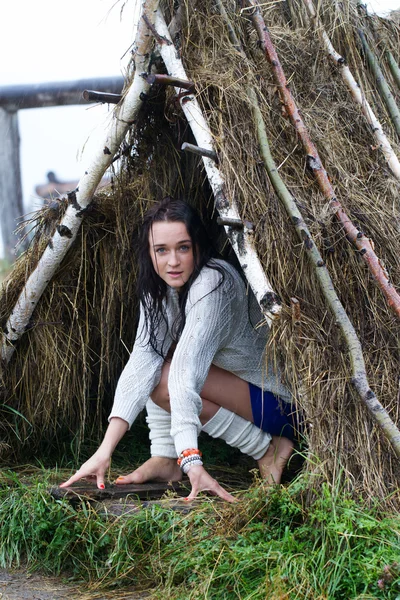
(241, 241)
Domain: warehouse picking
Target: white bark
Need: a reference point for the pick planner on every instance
(377, 131)
(241, 240)
(62, 240)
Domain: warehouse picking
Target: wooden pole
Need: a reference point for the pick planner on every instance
(314, 163)
(11, 207)
(241, 239)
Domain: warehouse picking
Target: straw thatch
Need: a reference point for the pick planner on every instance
(66, 366)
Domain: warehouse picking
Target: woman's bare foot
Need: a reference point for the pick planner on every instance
(273, 462)
(156, 468)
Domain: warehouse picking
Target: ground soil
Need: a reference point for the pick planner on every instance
(20, 585)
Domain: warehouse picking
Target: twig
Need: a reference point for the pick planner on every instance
(186, 147)
(394, 67)
(105, 97)
(167, 80)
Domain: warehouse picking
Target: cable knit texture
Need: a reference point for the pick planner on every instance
(217, 331)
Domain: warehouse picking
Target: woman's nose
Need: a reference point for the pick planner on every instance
(173, 258)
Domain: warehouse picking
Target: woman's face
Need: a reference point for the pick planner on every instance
(171, 252)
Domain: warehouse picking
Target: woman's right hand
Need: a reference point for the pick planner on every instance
(93, 469)
(202, 481)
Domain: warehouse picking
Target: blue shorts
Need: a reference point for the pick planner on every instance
(272, 414)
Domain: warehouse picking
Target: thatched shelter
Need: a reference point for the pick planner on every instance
(63, 372)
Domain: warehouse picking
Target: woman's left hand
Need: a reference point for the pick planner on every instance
(203, 482)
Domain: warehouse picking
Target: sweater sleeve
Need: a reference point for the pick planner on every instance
(207, 326)
(140, 375)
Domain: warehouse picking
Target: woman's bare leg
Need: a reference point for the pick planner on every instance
(221, 388)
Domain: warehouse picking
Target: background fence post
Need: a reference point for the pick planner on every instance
(11, 206)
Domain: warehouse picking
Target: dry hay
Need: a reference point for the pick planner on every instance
(67, 364)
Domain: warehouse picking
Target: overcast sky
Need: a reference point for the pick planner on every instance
(45, 40)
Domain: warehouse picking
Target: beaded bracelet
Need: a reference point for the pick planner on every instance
(189, 452)
(195, 463)
(190, 459)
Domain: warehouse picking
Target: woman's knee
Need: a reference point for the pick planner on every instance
(160, 394)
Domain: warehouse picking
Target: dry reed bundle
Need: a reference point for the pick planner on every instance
(67, 364)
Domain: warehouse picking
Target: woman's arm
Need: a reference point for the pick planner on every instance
(141, 373)
(207, 328)
(138, 379)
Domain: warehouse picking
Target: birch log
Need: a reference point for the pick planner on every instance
(359, 374)
(376, 128)
(123, 118)
(241, 239)
(314, 163)
(383, 86)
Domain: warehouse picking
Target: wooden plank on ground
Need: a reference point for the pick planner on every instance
(141, 491)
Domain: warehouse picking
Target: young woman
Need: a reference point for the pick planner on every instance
(198, 363)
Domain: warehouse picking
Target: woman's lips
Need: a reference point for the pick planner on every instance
(175, 274)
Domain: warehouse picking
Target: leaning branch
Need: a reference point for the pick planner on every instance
(394, 67)
(359, 375)
(314, 163)
(383, 86)
(79, 201)
(376, 128)
(240, 238)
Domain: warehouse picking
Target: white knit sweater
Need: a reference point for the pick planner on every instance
(220, 330)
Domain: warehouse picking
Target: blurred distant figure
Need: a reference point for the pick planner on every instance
(55, 187)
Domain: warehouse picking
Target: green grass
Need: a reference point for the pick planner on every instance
(270, 545)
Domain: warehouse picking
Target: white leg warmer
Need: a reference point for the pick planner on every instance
(238, 433)
(234, 430)
(159, 422)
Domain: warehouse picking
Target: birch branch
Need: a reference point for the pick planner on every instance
(354, 88)
(394, 67)
(359, 375)
(241, 239)
(383, 86)
(361, 242)
(124, 117)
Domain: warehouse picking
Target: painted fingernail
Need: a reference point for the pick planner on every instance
(120, 478)
(186, 499)
(102, 486)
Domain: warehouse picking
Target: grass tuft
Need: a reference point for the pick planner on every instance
(275, 543)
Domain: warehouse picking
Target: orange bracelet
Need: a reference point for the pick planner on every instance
(189, 452)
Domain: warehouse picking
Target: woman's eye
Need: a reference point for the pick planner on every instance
(184, 248)
(160, 250)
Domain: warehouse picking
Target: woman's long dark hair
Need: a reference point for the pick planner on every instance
(152, 290)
